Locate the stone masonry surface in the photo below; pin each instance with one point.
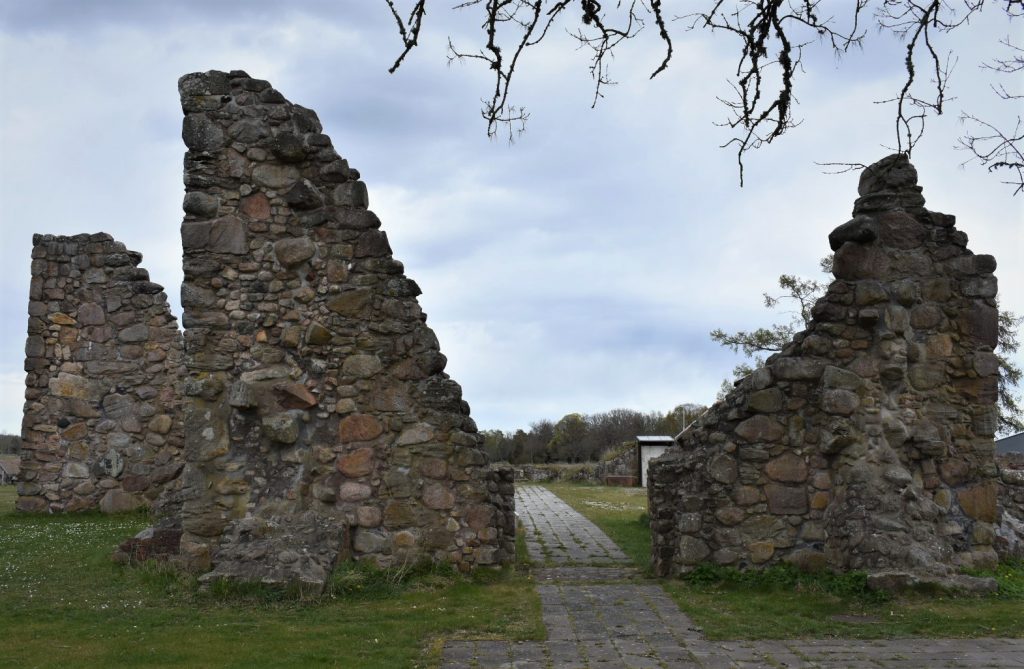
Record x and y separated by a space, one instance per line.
101 426
866 443
1010 532
606 618
319 422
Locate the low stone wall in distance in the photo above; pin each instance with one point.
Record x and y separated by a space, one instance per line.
618 469
580 472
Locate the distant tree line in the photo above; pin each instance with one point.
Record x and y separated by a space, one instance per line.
10 443
583 437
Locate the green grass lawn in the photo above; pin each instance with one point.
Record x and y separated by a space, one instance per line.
7 497
781 603
65 604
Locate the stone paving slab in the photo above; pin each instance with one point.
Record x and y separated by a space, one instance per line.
606 617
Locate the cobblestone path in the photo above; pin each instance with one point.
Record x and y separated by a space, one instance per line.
600 615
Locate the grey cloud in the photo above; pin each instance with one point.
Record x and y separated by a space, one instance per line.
60 15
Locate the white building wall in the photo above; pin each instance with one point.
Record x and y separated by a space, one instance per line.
646 453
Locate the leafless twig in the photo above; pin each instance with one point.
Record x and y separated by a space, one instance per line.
772 37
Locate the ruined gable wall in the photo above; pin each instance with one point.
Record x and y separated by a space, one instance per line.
101 426
867 442
319 421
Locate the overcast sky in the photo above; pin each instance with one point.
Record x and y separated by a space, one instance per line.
578 269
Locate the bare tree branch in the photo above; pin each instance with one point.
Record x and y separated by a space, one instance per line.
411 35
772 36
996 149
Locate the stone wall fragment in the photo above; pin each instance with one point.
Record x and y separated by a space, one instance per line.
866 443
319 422
101 426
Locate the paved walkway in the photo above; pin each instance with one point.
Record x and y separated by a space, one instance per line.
600 615
556 533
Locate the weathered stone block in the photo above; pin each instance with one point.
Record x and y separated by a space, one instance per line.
760 551
692 550
787 468
434 468
282 428
350 303
369 541
797 369
73 386
723 469
294 396
841 402
359 427
835 377
351 194
786 500
276 177
980 501
201 205
981 322
768 400
118 501
352 491
361 366
760 429
357 463
201 134
294 251
438 496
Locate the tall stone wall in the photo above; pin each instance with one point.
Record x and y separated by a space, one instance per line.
319 421
101 425
867 442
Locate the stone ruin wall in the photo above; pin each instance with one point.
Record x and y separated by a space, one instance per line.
319 422
1009 540
101 424
867 443
623 469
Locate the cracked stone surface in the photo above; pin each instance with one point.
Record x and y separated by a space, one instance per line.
600 615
